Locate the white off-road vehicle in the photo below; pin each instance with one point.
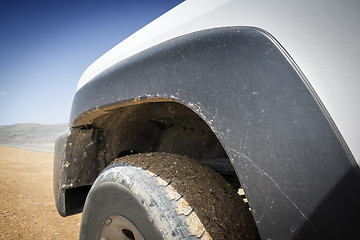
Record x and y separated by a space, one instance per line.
222 119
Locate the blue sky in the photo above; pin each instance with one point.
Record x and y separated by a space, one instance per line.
45 46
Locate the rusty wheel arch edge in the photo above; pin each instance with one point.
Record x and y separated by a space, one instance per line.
285 149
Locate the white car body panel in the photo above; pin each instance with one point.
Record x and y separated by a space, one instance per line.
321 36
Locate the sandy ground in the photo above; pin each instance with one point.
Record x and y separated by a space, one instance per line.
27 208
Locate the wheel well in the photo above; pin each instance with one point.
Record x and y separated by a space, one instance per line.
157 127
147 127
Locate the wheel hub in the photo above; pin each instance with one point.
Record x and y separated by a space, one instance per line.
119 228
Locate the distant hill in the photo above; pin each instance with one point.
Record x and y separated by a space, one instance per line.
30 133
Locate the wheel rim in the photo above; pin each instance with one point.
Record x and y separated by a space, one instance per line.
120 228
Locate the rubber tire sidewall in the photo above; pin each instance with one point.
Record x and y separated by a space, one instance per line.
112 199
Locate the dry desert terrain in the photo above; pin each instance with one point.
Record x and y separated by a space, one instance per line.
27 207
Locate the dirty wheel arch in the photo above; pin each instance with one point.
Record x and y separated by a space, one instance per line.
166 196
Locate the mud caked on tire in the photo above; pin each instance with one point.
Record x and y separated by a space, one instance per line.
164 196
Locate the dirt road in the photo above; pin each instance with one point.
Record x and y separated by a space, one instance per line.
27 209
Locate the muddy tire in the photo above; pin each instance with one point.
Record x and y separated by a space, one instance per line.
164 196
